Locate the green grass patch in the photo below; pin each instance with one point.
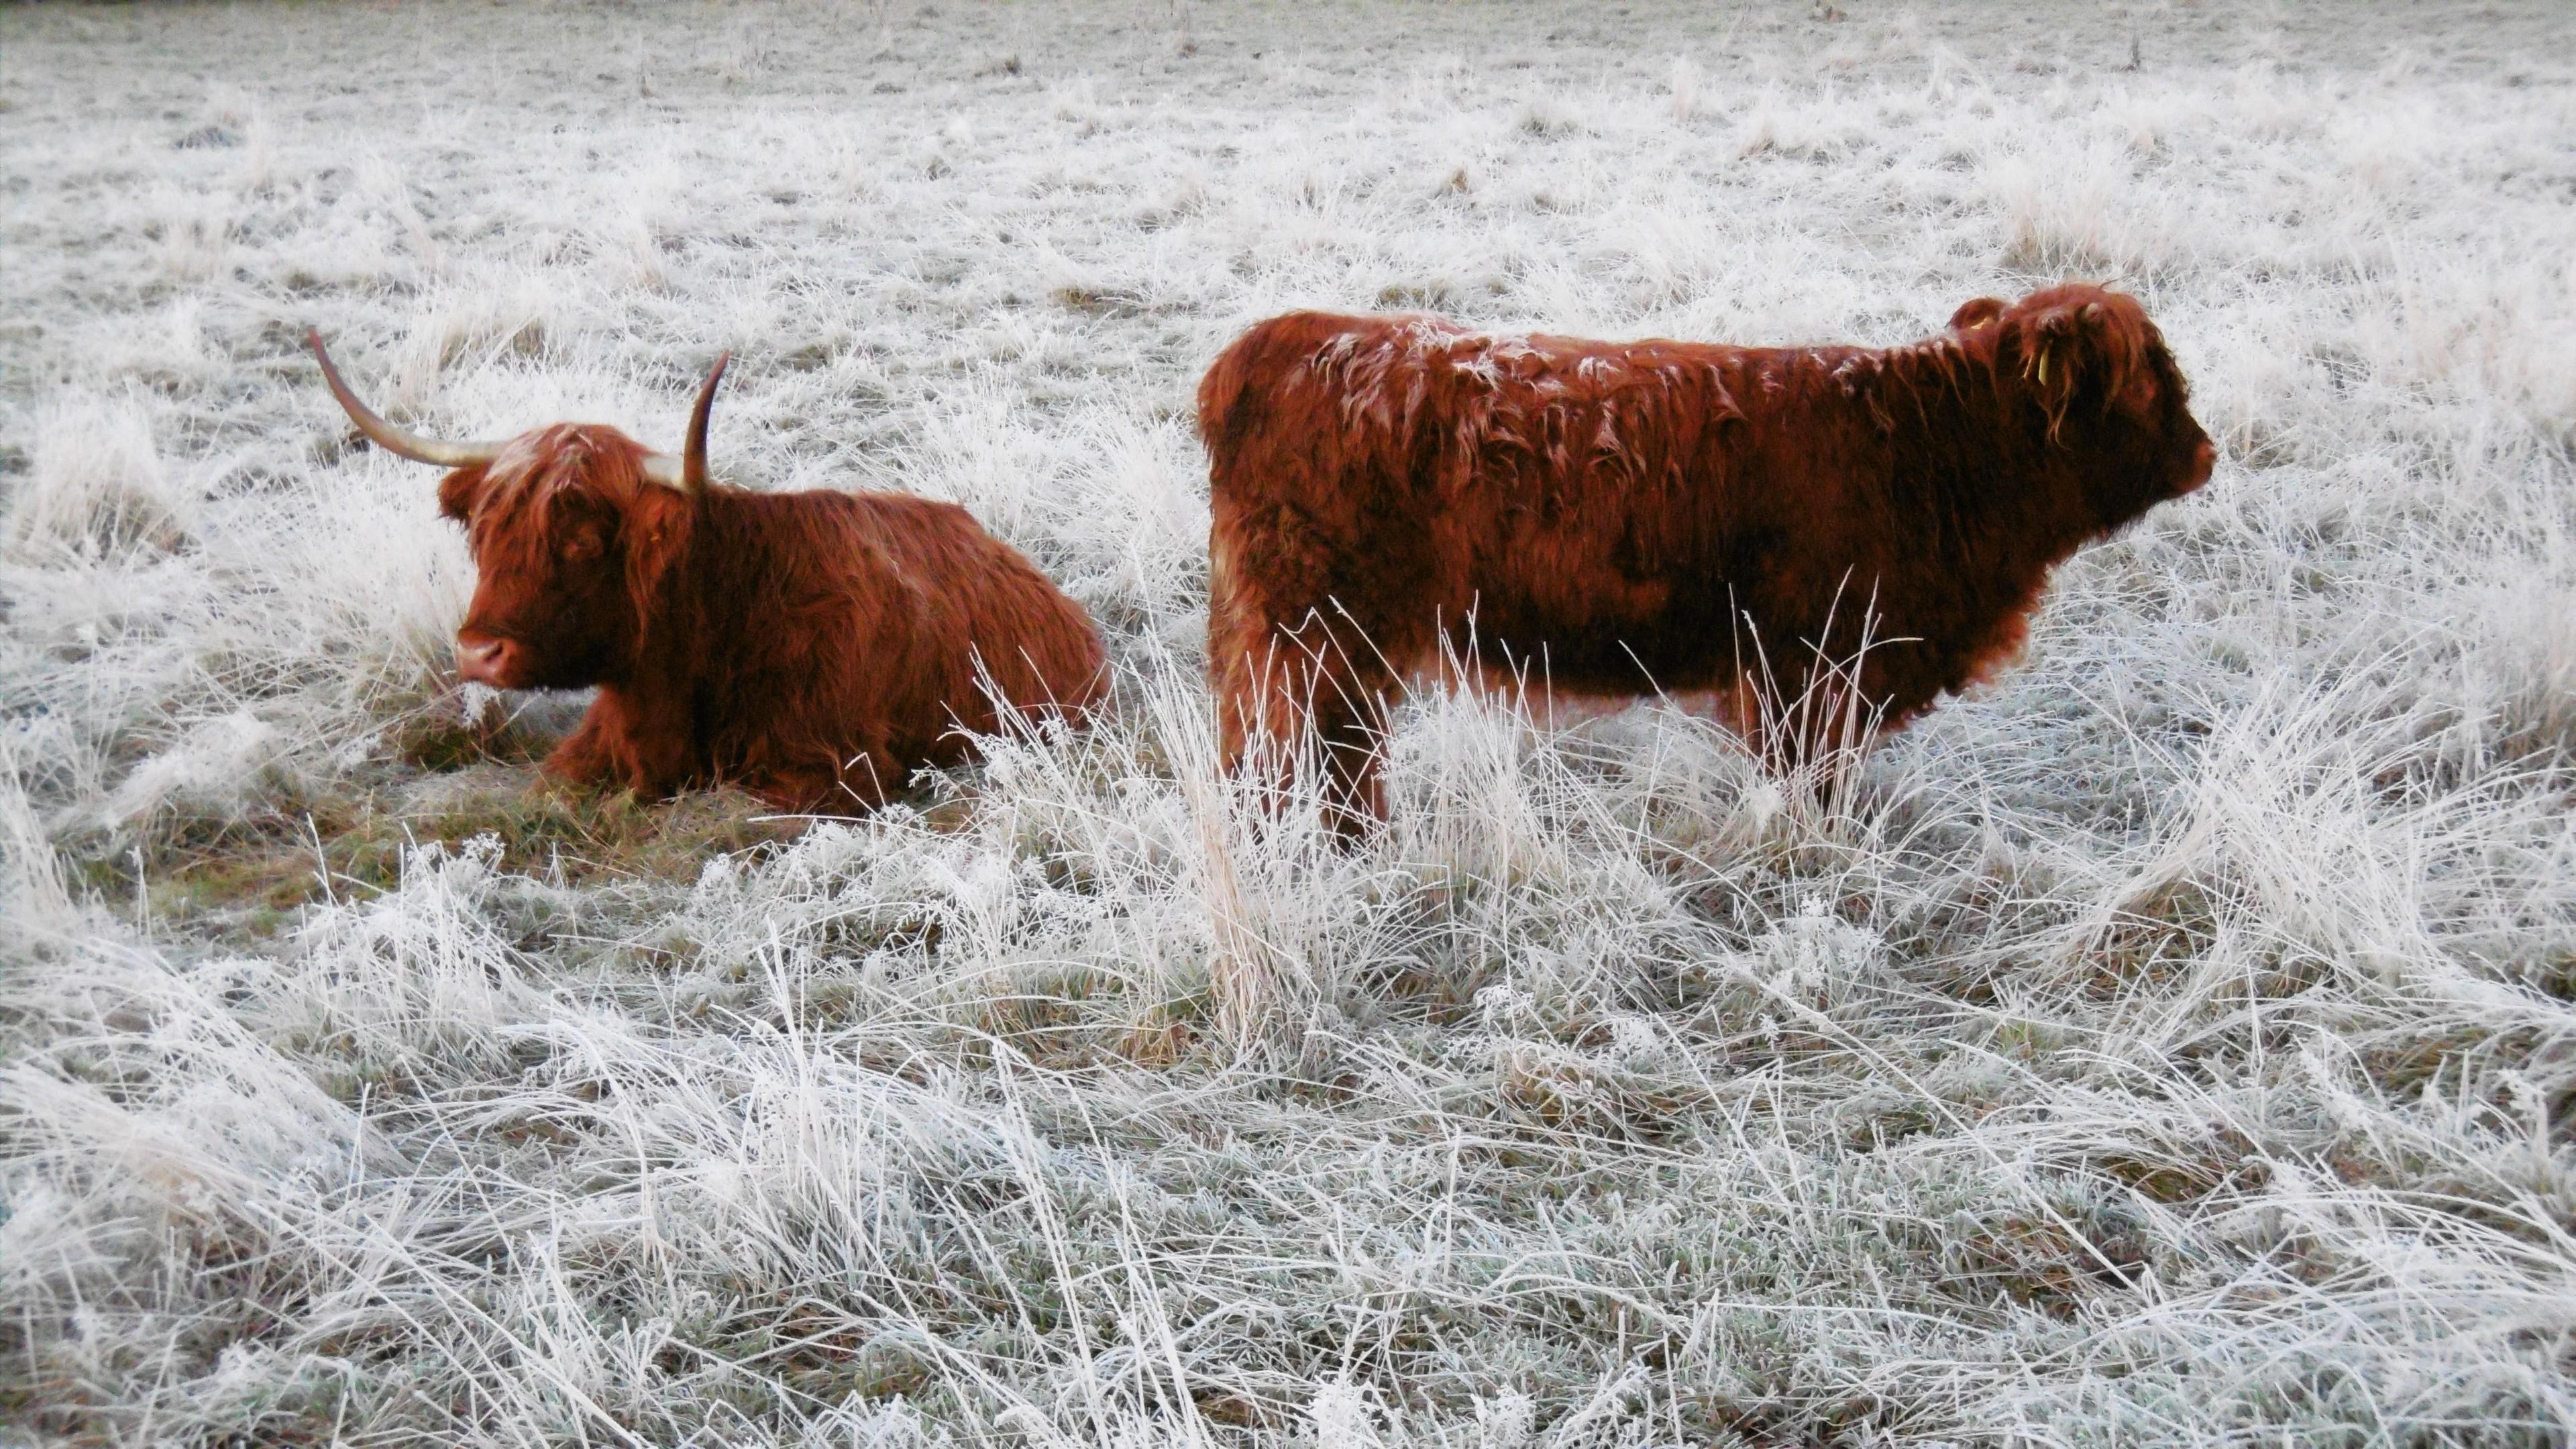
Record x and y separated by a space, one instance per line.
251 884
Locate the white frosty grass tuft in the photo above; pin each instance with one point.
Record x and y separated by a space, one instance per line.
2169 1044
96 485
214 772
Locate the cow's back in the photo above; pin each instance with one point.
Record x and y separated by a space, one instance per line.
858 619
979 599
1587 495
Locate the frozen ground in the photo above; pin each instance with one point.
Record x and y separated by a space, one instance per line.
2171 1045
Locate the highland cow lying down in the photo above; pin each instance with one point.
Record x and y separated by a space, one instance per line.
815 648
1615 518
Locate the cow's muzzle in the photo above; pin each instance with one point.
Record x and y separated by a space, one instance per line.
483 659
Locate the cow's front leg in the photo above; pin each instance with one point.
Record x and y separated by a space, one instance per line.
619 744
587 756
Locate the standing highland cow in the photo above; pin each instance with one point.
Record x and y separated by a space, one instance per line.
813 647
1620 517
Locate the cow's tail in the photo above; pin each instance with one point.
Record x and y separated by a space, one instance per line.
1225 391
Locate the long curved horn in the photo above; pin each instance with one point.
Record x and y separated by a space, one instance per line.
388 437
688 473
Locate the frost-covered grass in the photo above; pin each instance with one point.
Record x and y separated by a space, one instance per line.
2172 1044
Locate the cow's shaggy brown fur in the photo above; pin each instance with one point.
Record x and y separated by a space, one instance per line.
1619 517
813 647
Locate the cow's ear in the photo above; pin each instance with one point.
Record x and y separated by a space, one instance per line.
459 491
2041 346
653 515
2089 349
651 526
1976 314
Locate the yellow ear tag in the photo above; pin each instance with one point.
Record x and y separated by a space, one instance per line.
2043 365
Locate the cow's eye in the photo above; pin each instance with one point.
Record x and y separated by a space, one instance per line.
580 546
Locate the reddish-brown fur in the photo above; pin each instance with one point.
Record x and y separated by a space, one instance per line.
1614 518
813 647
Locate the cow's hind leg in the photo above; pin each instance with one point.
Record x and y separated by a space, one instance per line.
1291 701
1350 731
1260 684
809 772
1302 685
1265 690
864 781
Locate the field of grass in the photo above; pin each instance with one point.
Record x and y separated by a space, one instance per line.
2172 1043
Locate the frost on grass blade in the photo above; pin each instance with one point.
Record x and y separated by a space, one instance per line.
2163 1045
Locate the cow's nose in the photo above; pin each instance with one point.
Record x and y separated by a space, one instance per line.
2203 460
482 659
